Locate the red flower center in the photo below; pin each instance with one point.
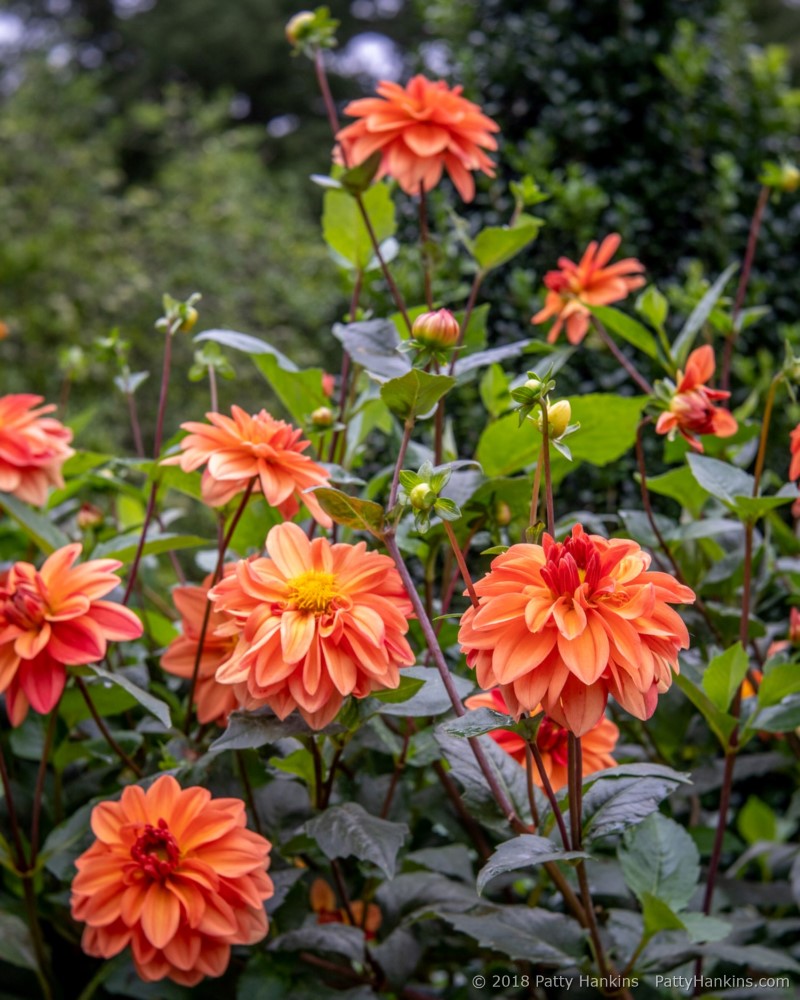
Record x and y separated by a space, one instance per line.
25 608
553 739
156 851
570 564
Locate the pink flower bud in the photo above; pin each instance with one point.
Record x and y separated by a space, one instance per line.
438 329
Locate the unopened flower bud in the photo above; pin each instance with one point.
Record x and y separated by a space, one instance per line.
421 496
298 25
794 626
533 383
189 320
89 516
438 329
4 330
322 417
558 417
502 513
328 384
790 178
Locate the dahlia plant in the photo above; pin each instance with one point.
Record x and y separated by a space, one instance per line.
445 674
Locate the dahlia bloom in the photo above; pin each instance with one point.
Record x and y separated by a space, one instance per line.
565 625
241 447
52 618
573 288
552 741
176 875
420 129
214 701
314 623
367 916
33 448
691 409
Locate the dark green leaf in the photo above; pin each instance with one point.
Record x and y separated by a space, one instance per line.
627 328
350 831
623 796
373 344
155 706
723 676
782 680
246 730
408 687
123 547
525 851
431 699
529 935
659 857
16 946
482 358
477 722
338 939
40 529
358 179
696 321
416 393
720 479
720 723
350 512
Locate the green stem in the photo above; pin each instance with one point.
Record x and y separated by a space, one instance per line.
548 484
126 760
39 788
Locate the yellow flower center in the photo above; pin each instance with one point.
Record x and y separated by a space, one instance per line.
313 591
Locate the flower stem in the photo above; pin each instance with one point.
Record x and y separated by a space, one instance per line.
398 770
548 484
537 481
547 786
212 388
462 565
626 363
223 548
39 788
408 427
12 812
126 760
744 280
248 790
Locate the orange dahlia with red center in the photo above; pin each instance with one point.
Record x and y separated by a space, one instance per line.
574 288
314 622
214 701
367 916
176 875
33 448
552 741
239 449
563 625
421 130
53 618
691 408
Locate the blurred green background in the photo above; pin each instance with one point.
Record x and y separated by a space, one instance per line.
165 145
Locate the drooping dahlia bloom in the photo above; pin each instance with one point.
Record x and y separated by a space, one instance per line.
214 701
421 129
33 448
177 876
367 916
53 618
240 448
314 623
691 409
573 288
565 625
552 741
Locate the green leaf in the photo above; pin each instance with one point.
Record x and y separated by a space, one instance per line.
448 510
496 245
350 512
415 393
250 730
523 933
343 225
408 687
373 344
623 796
358 179
627 328
477 722
524 851
723 676
123 547
658 916
780 718
757 822
720 723
724 481
349 830
335 938
679 484
470 362
153 705
782 680
40 529
16 946
653 306
701 928
431 699
660 857
701 312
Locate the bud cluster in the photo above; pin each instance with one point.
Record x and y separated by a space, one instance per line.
420 491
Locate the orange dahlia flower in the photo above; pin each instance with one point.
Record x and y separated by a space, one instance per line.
214 701
240 448
691 409
367 916
421 130
315 622
552 741
176 875
52 618
573 288
33 448
563 625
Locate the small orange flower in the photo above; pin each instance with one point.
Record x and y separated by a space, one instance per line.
367 916
176 875
33 448
315 622
575 287
794 448
421 130
214 701
563 625
52 618
691 409
552 741
241 447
